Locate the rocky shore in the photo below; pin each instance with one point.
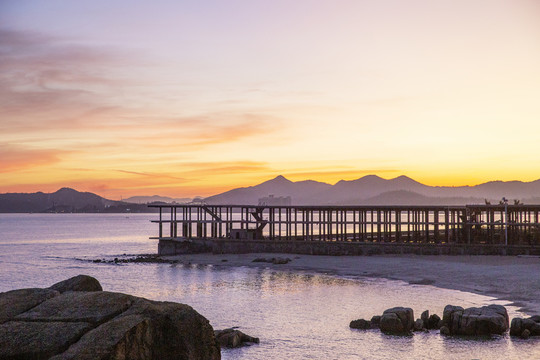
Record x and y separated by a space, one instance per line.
76 319
472 322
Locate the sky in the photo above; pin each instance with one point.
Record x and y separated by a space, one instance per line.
192 98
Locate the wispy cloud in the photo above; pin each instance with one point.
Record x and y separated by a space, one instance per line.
227 167
152 175
42 75
16 158
339 174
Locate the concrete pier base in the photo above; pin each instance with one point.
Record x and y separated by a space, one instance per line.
229 246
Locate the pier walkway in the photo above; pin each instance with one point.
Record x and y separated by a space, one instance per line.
471 229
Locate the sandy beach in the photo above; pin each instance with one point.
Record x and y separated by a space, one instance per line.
515 279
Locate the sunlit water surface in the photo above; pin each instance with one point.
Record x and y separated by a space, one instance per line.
296 315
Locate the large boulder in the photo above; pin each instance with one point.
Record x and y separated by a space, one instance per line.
397 320
78 283
101 325
519 325
15 302
486 320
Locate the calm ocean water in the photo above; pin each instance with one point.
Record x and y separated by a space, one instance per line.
296 315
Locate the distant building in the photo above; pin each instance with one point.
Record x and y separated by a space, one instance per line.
272 200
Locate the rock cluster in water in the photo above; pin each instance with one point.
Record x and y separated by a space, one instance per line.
474 321
233 338
137 259
525 327
75 319
274 260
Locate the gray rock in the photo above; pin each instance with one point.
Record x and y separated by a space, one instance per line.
486 320
360 324
15 302
233 338
525 334
78 283
105 325
434 322
149 330
445 330
391 324
418 325
91 307
375 321
397 320
425 318
518 325
38 340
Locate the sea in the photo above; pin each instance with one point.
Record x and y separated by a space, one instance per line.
296 315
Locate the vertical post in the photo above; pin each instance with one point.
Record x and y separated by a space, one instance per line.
160 222
505 221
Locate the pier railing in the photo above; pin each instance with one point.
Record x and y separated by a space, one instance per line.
471 224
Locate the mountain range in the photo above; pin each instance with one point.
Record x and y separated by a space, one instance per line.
156 198
368 190
374 190
63 201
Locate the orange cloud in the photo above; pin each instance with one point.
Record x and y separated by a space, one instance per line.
152 175
15 158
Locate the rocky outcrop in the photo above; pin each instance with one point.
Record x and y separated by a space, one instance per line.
375 321
15 302
425 319
434 322
78 283
232 338
525 327
418 325
74 319
486 320
397 320
360 324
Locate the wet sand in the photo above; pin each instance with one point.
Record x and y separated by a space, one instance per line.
511 278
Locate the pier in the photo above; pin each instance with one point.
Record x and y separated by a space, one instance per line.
350 230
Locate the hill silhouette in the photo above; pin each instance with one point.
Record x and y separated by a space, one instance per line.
367 190
374 190
65 200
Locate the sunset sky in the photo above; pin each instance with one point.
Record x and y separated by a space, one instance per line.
185 98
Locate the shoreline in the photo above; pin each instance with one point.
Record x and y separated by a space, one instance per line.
508 278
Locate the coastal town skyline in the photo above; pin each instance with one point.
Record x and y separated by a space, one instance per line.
193 99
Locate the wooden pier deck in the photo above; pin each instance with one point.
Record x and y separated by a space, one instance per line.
488 227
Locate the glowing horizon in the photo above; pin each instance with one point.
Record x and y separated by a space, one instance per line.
192 99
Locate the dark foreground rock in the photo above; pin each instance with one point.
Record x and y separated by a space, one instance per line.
482 321
525 327
232 338
397 321
63 322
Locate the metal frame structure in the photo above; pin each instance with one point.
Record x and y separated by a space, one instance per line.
471 224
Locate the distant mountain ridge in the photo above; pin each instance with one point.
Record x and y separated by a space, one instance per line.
65 200
367 190
156 198
374 190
